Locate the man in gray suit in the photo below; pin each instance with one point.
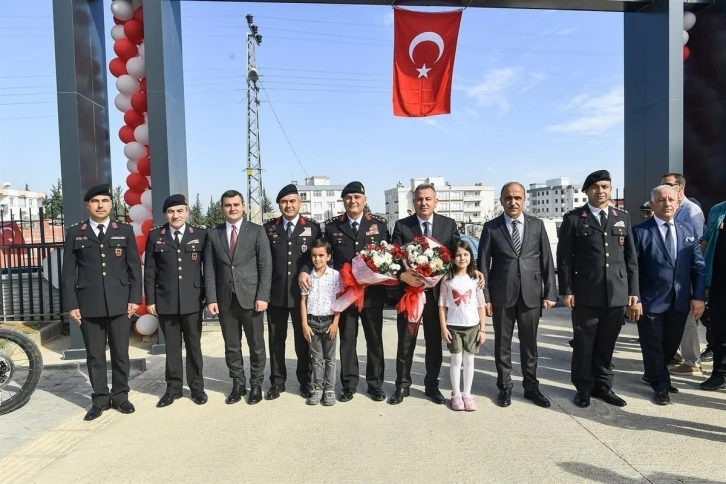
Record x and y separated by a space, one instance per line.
237 279
515 257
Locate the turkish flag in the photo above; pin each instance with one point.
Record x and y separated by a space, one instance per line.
424 48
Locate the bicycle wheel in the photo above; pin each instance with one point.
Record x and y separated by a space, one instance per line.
21 365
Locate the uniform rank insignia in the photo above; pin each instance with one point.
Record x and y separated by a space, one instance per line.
118 237
373 230
307 232
194 256
195 241
118 252
619 223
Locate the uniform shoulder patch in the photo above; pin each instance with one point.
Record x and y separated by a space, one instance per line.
379 218
312 221
271 220
332 219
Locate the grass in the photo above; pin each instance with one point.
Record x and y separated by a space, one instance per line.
24 327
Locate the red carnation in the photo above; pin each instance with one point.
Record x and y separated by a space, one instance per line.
425 270
371 265
424 243
445 257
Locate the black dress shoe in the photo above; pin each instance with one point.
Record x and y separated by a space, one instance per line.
306 390
662 398
714 382
168 399
94 412
582 399
609 396
274 392
376 394
504 399
255 395
200 398
672 389
435 395
537 397
399 395
707 354
238 391
346 394
124 407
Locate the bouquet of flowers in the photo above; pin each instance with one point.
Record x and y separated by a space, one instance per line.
429 259
374 265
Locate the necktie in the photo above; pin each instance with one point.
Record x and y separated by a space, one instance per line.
426 228
670 247
603 218
355 228
100 232
177 239
515 237
233 240
290 227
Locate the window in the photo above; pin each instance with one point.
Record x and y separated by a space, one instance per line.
444 206
303 195
317 193
21 202
12 201
305 207
557 209
455 195
455 205
317 206
457 216
443 196
318 217
329 193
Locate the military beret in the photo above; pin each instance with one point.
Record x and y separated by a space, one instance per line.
286 190
353 187
173 201
103 189
597 176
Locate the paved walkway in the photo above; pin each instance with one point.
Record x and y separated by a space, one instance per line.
365 441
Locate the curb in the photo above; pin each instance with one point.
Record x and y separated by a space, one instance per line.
135 364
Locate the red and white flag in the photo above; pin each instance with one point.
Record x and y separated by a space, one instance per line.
424 48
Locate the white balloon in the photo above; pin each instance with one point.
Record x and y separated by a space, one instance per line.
117 32
689 20
142 51
123 102
122 10
147 324
134 150
139 213
137 228
685 37
141 133
127 84
131 166
146 199
135 4
136 67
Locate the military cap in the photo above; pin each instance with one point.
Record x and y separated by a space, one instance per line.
286 190
103 189
597 176
646 206
173 201
353 187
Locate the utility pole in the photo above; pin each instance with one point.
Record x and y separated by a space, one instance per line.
254 162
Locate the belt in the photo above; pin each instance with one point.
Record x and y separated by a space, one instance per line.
320 319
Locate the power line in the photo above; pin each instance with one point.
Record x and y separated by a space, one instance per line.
272 108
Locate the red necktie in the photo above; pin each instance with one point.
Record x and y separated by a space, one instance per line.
233 240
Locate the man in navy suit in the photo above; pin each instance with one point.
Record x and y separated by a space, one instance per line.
672 281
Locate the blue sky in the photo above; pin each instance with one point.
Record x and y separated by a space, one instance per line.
537 95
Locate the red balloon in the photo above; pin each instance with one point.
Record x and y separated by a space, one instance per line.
147 225
686 53
141 243
118 21
137 182
144 166
126 133
117 67
142 310
138 101
143 84
134 31
139 14
131 197
125 49
133 118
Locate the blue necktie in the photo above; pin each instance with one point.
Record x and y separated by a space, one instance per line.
670 247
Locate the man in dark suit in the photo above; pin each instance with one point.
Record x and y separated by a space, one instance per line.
290 238
237 278
442 229
348 234
515 257
174 291
597 268
101 291
672 274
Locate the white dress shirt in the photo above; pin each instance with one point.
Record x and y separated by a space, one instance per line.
229 231
358 220
520 225
662 227
181 232
323 291
105 223
286 222
596 211
430 222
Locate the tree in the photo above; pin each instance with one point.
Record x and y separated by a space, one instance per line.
267 206
214 213
120 207
196 217
367 209
53 205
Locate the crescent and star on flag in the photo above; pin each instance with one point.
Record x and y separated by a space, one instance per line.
423 71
